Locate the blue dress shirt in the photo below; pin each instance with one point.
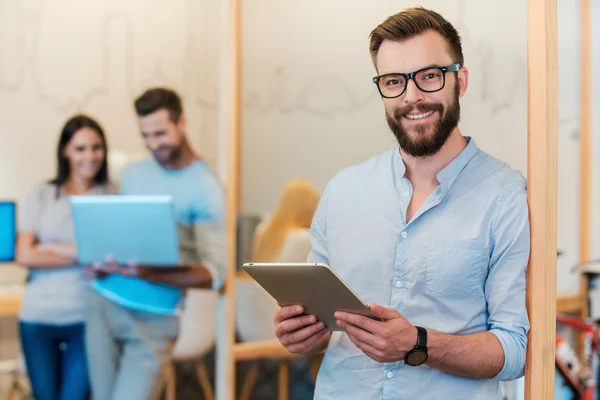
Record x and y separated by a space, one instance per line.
458 266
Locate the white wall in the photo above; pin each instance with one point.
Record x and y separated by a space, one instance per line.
569 65
65 56
311 109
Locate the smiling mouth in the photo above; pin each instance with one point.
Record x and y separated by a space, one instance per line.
418 116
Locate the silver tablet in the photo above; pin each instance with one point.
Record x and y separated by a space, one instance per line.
314 286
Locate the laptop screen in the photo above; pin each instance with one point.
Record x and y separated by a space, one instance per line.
8 231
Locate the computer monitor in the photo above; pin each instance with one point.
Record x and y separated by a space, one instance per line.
8 230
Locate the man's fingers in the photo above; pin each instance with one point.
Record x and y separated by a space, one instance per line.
354 340
287 312
301 334
366 348
292 324
363 322
362 335
89 273
308 342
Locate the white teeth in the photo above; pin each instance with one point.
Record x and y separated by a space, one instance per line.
419 116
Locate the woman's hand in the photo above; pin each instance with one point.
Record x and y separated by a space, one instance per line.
66 250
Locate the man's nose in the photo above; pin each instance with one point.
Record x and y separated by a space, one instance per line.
413 94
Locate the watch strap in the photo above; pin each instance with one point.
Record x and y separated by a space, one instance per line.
421 337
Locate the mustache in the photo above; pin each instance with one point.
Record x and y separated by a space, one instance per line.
421 109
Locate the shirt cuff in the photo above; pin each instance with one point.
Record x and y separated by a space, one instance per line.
514 356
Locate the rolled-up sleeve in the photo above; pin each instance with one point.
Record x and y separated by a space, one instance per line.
318 233
505 286
210 231
211 242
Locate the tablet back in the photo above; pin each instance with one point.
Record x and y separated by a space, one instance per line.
315 286
129 228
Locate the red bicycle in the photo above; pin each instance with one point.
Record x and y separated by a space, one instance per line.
582 383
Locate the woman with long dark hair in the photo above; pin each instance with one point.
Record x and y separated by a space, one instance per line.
51 320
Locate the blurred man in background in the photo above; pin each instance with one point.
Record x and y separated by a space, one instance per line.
133 312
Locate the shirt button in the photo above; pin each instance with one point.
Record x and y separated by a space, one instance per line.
390 374
406 193
404 234
398 284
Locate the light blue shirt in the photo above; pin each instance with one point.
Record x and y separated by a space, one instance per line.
200 212
458 266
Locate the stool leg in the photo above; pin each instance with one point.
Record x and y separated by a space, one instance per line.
171 384
314 365
250 381
204 381
284 377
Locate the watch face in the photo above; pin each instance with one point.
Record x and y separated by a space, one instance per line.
417 358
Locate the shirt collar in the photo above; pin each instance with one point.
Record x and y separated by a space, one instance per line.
448 175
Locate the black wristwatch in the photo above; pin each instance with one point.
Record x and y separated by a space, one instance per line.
418 355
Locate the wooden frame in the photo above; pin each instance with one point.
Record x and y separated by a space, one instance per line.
228 351
542 175
230 122
585 143
542 58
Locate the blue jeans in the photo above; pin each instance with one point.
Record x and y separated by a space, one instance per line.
56 361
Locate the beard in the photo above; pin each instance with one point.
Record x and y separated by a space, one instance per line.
167 154
422 145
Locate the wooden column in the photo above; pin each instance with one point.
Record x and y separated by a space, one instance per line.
586 130
542 66
585 142
230 126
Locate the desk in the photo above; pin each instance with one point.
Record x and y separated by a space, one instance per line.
12 288
10 303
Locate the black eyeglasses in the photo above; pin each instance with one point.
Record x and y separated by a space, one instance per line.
430 79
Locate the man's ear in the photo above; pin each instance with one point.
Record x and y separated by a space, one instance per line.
463 80
182 123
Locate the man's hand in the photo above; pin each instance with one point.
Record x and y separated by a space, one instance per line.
98 271
180 276
383 341
300 333
101 270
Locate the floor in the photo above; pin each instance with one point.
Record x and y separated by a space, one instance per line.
301 384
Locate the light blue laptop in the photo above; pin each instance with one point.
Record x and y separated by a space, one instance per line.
139 229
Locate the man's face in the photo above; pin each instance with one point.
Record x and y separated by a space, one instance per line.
162 136
422 122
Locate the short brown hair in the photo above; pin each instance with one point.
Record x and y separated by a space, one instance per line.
413 22
158 98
